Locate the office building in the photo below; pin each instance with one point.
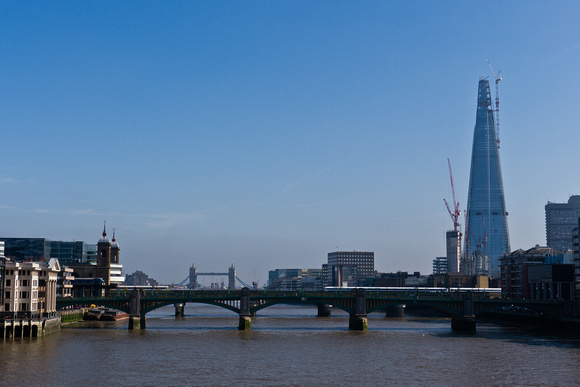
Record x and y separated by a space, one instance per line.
295 279
486 229
440 265
348 268
42 249
561 218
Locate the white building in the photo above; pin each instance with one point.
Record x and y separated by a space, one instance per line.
29 288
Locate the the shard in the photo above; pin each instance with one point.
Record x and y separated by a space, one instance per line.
486 235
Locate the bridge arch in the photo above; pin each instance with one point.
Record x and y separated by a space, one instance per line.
300 302
166 303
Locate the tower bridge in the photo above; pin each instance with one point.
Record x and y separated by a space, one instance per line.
462 308
192 279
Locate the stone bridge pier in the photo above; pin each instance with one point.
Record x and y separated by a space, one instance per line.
465 323
324 310
136 319
358 320
245 323
179 310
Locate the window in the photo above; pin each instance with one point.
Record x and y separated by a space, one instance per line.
8 282
7 295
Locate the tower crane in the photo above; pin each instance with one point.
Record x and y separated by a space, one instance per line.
455 212
497 79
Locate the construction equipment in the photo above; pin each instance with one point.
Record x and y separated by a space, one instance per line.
455 212
497 79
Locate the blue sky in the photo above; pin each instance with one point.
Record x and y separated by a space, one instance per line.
267 134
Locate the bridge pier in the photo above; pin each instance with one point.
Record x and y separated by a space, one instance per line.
358 320
467 322
179 310
245 323
137 322
134 322
324 310
395 311
463 324
136 319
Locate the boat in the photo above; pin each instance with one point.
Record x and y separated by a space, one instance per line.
93 314
113 315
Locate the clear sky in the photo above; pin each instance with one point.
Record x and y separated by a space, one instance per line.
269 133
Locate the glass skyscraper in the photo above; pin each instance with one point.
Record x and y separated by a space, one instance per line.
486 230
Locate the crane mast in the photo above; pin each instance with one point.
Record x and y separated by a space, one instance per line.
497 79
455 213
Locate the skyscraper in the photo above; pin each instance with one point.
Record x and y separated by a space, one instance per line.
486 230
561 218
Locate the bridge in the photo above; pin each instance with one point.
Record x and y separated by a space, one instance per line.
358 303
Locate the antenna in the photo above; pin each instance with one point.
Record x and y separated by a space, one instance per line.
497 79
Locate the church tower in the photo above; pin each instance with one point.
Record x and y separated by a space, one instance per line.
114 249
104 258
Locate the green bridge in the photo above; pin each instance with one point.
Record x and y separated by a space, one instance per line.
462 307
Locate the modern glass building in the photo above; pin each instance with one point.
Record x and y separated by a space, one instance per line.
561 218
486 229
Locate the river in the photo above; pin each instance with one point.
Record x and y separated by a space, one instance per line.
288 345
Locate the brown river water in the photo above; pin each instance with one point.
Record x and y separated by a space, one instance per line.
289 345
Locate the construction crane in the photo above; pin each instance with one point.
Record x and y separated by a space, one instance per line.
455 212
497 79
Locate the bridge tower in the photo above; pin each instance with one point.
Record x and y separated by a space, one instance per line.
192 277
232 277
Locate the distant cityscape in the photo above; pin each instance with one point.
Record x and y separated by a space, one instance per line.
34 271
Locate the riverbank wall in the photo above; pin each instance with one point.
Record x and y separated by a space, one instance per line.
24 327
71 316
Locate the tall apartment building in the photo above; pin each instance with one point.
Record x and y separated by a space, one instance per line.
486 229
348 268
561 218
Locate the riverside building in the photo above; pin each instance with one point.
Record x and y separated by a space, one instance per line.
561 218
28 298
348 268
